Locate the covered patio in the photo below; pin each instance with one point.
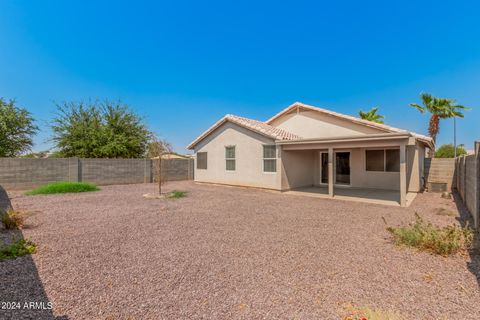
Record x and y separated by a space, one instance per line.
369 195
375 168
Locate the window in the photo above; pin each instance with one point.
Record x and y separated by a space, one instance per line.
392 160
383 160
201 160
230 158
269 159
375 160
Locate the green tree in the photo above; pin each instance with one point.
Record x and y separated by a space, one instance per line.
371 115
16 129
99 130
447 151
439 108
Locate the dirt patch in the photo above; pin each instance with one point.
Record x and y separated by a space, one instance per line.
233 253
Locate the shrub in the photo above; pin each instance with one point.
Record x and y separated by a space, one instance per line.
12 219
64 187
16 249
368 313
176 194
424 236
448 151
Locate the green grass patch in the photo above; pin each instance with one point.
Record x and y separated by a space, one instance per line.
16 249
64 187
424 236
175 194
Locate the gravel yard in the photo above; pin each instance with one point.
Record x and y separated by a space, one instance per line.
225 252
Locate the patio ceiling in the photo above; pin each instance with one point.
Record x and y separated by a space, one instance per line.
371 140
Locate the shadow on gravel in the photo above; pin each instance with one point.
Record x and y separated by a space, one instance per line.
467 219
22 295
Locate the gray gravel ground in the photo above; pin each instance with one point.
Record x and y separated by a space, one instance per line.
230 253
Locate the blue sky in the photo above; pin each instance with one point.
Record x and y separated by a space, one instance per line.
184 64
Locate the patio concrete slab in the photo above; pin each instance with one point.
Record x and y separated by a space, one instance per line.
378 196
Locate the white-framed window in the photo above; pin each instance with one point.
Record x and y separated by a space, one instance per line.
382 160
230 163
202 160
269 158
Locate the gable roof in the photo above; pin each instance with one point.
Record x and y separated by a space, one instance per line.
379 126
266 129
253 125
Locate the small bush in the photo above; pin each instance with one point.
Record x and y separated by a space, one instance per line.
424 236
176 194
16 249
448 151
12 219
367 313
64 187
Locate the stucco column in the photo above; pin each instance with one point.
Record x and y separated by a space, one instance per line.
330 172
403 176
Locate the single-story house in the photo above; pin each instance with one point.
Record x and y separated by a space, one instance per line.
173 155
306 146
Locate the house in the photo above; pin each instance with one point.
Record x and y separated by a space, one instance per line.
305 146
174 155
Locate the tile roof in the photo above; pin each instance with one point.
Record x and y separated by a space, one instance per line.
266 129
262 127
371 124
254 125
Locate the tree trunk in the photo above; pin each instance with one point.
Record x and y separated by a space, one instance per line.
159 175
434 127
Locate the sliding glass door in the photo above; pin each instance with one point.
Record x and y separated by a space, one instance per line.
342 168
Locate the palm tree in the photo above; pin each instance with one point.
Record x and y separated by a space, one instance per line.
371 115
439 108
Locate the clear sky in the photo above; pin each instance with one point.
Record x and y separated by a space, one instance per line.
184 64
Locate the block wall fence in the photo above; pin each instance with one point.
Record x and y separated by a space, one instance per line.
23 174
438 170
468 182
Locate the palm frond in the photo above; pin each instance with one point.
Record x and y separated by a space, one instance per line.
418 107
371 115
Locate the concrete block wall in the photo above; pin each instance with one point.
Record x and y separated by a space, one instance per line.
460 173
23 174
470 192
440 170
115 171
177 169
29 173
468 182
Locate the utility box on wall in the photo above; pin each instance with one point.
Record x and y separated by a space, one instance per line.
437 187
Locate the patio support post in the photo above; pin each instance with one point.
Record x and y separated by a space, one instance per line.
403 176
330 172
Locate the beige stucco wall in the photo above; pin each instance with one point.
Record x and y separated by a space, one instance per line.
298 169
362 178
249 158
299 165
415 170
310 124
359 176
